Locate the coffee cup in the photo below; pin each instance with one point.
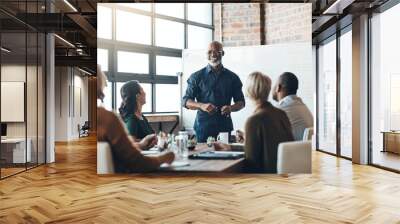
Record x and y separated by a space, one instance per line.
223 137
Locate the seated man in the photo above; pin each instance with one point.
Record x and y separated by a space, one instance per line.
284 93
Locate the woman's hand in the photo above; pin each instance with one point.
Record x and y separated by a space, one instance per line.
148 142
167 157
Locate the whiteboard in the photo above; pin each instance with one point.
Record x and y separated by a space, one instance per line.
12 101
271 60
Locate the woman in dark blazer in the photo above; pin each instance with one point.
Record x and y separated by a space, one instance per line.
133 99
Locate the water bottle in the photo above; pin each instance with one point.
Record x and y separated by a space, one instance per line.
182 145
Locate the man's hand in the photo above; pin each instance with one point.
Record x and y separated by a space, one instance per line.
208 107
148 142
226 110
218 146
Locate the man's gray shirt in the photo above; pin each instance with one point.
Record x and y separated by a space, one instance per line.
299 115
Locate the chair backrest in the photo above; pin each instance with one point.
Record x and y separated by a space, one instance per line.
105 163
308 133
294 157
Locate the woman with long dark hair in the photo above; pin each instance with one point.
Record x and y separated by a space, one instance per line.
133 98
127 154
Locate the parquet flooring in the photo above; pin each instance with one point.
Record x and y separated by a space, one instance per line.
69 191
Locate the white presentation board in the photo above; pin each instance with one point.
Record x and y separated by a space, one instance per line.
272 60
12 101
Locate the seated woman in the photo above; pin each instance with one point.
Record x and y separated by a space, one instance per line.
126 153
264 129
133 98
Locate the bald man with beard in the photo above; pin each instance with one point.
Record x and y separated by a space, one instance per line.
210 91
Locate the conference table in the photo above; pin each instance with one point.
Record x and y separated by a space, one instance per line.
207 165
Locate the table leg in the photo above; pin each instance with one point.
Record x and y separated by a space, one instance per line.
173 128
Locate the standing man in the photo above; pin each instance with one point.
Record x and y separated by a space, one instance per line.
299 115
210 91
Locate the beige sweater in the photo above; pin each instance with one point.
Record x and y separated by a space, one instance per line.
265 129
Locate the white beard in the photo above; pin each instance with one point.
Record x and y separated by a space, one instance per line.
214 64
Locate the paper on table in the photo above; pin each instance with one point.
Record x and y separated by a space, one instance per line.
149 152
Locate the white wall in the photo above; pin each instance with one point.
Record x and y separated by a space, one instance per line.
71 94
272 60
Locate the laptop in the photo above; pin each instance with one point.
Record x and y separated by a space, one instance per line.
217 155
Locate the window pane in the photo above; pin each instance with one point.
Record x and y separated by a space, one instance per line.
107 102
169 34
104 22
168 65
133 28
346 94
133 62
327 97
146 88
164 94
200 12
141 6
170 9
385 87
199 37
102 59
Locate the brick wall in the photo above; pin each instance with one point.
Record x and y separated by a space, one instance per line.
285 22
240 23
243 23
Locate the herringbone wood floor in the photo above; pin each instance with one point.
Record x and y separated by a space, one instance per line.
69 191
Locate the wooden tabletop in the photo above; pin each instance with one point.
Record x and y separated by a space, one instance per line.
208 165
154 118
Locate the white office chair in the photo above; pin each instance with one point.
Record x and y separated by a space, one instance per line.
308 133
294 157
105 163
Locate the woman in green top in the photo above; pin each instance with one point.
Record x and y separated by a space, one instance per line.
133 99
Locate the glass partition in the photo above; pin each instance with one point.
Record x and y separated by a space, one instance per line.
22 117
15 149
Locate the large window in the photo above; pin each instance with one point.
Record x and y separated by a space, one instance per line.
385 88
327 96
147 46
335 94
346 94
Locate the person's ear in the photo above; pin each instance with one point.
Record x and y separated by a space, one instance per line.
279 88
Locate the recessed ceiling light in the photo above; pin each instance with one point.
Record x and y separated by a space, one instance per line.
70 5
5 50
86 72
64 40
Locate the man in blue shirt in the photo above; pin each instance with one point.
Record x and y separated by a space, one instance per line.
210 91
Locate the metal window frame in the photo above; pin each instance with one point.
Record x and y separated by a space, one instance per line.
113 46
336 36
